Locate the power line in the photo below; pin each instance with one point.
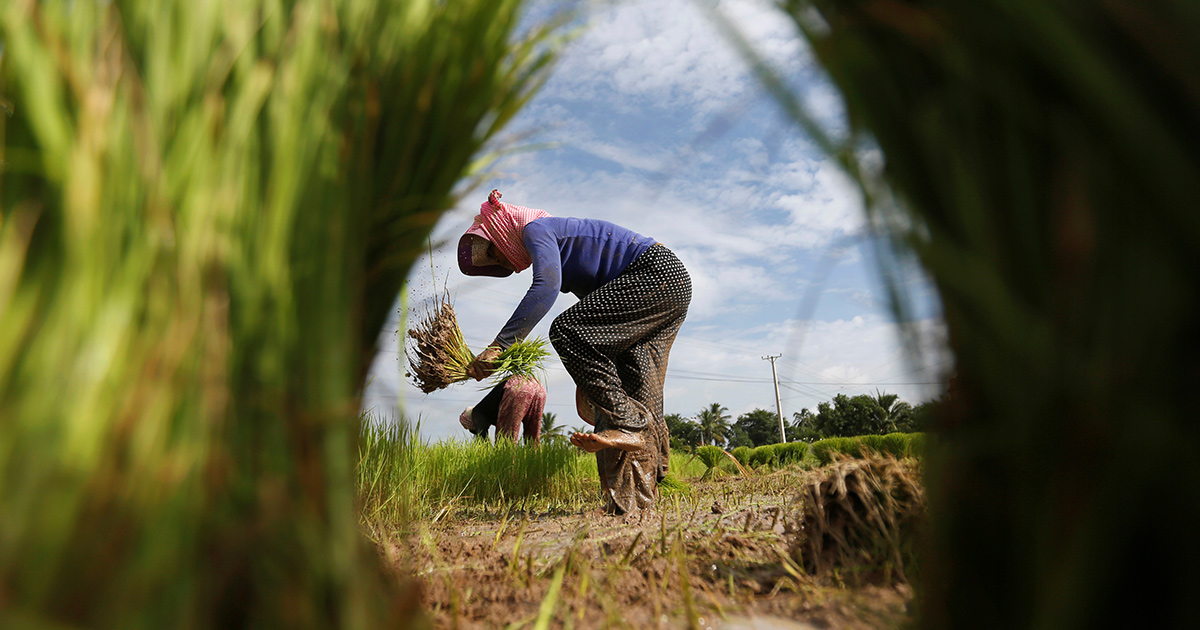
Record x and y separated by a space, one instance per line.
808 390
811 393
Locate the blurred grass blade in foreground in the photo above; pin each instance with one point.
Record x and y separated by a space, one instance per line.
206 211
1042 159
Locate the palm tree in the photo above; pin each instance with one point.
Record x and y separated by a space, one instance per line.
551 430
714 423
683 431
892 411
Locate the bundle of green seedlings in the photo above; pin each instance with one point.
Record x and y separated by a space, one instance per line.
712 456
439 356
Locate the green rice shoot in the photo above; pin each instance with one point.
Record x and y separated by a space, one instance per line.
207 210
524 358
401 476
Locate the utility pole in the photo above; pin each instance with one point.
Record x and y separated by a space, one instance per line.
778 405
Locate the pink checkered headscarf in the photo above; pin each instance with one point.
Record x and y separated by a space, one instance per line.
503 224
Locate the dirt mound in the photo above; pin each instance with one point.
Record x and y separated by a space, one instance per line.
679 566
862 515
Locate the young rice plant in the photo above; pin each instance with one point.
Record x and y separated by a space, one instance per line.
207 210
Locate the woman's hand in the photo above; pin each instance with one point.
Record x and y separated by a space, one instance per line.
485 364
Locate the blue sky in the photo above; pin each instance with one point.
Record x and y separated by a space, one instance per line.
656 124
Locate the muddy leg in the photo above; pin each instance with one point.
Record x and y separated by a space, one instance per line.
628 476
632 479
612 438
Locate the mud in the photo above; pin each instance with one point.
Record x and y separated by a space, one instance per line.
716 557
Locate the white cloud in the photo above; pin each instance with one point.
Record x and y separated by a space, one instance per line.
831 206
738 235
667 53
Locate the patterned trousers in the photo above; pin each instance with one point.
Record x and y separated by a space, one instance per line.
615 344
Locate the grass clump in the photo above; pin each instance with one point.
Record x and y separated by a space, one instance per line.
710 456
766 455
402 478
1040 158
862 515
742 454
791 452
207 211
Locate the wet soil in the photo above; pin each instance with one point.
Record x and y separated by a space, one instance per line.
714 557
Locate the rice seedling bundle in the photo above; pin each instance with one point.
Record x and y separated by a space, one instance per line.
685 464
767 454
710 456
525 358
742 453
438 356
899 445
672 485
791 452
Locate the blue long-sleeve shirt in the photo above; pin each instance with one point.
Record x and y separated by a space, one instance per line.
572 256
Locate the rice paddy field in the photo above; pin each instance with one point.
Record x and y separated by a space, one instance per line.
511 536
207 210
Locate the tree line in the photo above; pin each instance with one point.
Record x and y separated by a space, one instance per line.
844 416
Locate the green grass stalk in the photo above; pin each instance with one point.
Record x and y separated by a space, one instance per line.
401 476
1039 159
525 358
207 210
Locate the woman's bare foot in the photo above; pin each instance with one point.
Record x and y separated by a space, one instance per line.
612 438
